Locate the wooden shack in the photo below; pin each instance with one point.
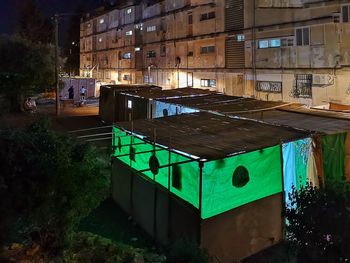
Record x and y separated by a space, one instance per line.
111 104
212 179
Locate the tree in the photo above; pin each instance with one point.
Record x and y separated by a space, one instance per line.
32 24
319 223
25 68
48 183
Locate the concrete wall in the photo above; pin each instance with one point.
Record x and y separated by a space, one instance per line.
244 231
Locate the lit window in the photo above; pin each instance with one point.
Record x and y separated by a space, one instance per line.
240 38
151 54
127 77
270 43
263 44
151 28
127 55
128 33
129 104
207 16
129 11
211 83
207 49
275 42
302 36
137 49
102 20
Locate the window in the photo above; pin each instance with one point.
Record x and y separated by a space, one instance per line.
151 28
128 33
176 177
127 77
303 86
207 49
163 50
211 83
240 38
302 36
129 11
137 49
287 42
129 104
240 177
269 43
190 19
127 55
151 54
207 16
269 86
345 12
190 54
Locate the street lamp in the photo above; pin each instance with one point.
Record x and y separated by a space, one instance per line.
56 19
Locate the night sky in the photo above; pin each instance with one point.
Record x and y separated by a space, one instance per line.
8 10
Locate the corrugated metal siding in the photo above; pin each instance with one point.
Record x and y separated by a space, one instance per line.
234 53
234 15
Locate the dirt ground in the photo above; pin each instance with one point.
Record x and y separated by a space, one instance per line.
71 118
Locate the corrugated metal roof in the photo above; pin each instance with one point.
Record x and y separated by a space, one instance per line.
210 136
171 93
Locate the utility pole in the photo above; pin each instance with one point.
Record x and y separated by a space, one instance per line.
57 79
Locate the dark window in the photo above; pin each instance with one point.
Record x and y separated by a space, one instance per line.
163 50
208 49
154 164
303 36
303 86
190 19
345 13
190 54
176 177
240 177
127 77
151 54
207 16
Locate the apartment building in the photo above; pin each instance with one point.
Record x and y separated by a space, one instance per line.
182 43
289 50
297 50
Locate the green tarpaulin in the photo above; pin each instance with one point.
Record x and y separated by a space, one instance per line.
265 179
226 184
333 150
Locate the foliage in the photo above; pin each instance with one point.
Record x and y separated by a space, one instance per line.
319 223
32 24
48 183
185 251
89 248
25 68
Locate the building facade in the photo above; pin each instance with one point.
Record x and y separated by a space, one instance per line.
290 50
168 43
298 51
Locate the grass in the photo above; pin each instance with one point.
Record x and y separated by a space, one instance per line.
111 222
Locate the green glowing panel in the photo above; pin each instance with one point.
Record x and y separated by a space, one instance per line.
220 194
188 173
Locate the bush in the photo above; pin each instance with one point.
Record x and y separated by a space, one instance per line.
319 223
48 183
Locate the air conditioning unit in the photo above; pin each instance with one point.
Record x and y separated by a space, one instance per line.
322 79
